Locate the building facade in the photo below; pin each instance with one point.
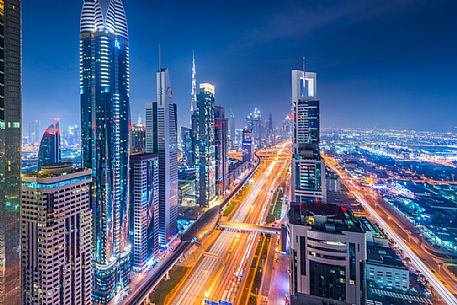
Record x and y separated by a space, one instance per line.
49 152
144 208
137 139
221 150
56 222
10 149
247 145
162 140
308 168
105 119
205 148
327 256
187 146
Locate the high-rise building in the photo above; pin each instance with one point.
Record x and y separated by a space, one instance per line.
327 255
137 139
232 128
247 145
144 208
10 149
308 168
105 119
255 124
193 105
270 130
221 150
187 146
49 152
204 137
56 222
34 132
162 140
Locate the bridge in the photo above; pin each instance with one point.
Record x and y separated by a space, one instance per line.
243 227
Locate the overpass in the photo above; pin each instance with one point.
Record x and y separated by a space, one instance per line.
243 227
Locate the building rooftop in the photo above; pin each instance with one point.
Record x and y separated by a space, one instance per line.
324 217
384 256
52 175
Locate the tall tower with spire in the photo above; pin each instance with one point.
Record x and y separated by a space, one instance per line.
193 106
105 121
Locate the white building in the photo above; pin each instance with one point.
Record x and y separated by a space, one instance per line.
308 168
162 139
56 223
328 254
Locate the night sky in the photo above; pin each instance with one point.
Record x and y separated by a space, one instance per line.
380 64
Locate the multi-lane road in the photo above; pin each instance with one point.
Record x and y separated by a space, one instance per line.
403 234
220 273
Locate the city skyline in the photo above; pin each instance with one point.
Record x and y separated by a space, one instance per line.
233 191
248 55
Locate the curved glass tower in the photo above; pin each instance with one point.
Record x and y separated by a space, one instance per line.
49 152
105 119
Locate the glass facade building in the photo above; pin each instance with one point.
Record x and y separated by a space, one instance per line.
49 152
205 148
144 208
10 150
308 168
105 119
162 140
221 150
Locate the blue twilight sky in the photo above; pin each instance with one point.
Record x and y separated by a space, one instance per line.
380 64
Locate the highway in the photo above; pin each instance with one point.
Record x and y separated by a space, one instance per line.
219 273
420 259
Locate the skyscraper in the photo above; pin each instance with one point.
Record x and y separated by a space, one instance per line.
56 222
255 124
221 150
49 152
204 137
105 118
137 139
232 128
10 150
308 168
187 146
162 139
247 145
144 208
193 105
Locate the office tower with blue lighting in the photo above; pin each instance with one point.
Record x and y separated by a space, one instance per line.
205 148
162 140
187 146
10 150
232 130
137 138
308 168
221 150
144 208
56 222
247 145
105 119
49 152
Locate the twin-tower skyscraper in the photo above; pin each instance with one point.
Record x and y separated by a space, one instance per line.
105 121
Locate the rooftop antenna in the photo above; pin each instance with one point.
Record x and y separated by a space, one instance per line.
160 58
304 61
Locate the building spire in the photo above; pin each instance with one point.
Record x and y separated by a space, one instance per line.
193 105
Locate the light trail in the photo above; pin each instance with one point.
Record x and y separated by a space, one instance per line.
439 287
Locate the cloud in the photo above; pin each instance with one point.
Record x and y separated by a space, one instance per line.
298 19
